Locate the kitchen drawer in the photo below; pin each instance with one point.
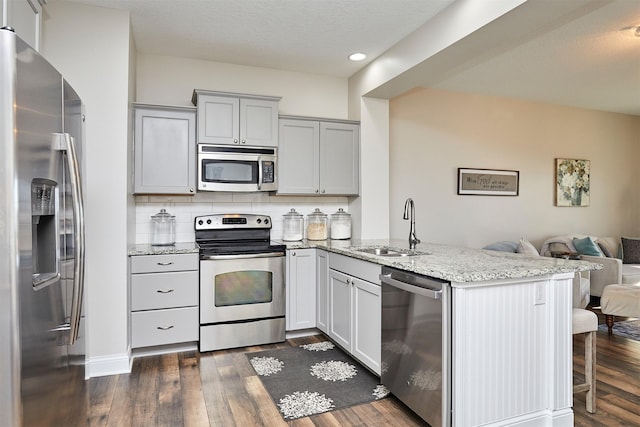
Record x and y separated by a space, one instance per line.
355 267
164 290
162 263
161 327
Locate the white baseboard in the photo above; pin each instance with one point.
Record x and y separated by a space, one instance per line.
109 365
559 418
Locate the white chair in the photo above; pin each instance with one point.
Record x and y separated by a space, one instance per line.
585 322
620 300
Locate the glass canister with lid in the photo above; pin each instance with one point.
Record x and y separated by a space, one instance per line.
163 229
340 225
317 224
292 226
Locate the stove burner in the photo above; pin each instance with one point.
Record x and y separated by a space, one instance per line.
235 234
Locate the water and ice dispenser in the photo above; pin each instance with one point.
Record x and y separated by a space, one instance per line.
45 238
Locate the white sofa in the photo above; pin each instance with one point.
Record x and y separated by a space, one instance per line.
581 281
614 271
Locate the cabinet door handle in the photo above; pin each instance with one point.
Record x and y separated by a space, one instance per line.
164 291
323 191
165 263
293 254
244 141
317 191
235 141
191 190
164 328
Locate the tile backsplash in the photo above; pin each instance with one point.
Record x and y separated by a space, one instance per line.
186 208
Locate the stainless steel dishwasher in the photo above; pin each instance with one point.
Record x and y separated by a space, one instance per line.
416 343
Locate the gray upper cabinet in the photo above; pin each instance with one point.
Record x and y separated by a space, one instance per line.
318 157
25 17
226 118
299 149
165 150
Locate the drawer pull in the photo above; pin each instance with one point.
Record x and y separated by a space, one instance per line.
164 291
165 328
165 263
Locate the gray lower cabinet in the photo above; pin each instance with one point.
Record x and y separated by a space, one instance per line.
301 289
164 299
164 150
322 290
354 315
318 157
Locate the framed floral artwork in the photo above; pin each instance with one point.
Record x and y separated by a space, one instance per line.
572 182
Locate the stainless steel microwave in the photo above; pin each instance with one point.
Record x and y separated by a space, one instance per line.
227 168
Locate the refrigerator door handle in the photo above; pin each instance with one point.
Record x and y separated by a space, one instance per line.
66 143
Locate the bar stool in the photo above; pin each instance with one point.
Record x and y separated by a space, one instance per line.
586 322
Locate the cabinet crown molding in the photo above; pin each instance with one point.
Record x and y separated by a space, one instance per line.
196 92
318 119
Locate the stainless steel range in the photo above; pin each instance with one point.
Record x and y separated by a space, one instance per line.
242 285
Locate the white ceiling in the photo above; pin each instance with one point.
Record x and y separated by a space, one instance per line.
581 58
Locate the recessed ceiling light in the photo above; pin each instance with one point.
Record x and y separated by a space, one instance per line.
357 56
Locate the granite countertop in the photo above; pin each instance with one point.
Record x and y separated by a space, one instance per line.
178 248
453 263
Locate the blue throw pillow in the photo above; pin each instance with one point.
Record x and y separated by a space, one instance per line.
587 246
503 246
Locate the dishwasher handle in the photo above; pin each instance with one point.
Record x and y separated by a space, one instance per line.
429 293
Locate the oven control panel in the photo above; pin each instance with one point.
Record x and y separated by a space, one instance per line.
230 221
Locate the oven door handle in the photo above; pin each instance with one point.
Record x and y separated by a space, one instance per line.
243 256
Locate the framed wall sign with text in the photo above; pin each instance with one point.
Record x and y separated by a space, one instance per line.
488 182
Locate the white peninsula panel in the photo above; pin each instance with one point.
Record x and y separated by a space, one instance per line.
512 355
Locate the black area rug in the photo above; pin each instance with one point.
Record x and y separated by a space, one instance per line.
628 329
314 378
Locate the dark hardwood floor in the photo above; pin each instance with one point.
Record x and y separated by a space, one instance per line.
221 389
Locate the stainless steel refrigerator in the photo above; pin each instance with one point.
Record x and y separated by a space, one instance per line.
42 354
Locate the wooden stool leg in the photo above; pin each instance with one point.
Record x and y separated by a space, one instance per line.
590 370
609 321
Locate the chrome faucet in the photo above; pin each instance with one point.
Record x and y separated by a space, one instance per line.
410 213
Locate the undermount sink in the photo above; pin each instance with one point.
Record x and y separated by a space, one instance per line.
389 252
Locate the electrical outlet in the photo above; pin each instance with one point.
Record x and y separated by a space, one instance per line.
540 294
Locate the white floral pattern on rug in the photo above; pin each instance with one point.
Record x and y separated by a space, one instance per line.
319 346
425 380
302 404
334 370
266 366
380 391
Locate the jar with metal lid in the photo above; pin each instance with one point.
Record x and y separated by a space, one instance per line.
292 226
340 225
317 224
163 229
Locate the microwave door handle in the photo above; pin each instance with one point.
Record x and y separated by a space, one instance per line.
259 173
